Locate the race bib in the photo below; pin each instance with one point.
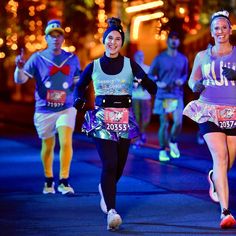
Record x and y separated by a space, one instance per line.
56 98
116 119
226 117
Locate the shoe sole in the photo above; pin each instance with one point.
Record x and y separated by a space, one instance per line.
212 192
228 222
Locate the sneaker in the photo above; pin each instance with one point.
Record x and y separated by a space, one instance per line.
113 220
212 189
227 220
65 188
174 151
102 202
49 189
49 186
163 156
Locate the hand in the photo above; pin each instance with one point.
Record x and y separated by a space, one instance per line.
136 82
20 59
79 104
161 84
230 74
198 87
179 82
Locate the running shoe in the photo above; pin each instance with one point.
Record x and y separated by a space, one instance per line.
49 186
64 188
113 220
227 220
163 156
102 202
174 150
212 190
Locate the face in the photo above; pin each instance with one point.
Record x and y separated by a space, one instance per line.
55 40
173 42
220 30
113 44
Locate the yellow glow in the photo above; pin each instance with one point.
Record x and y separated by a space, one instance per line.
14 46
1 41
2 55
72 48
68 29
233 27
139 19
182 10
144 6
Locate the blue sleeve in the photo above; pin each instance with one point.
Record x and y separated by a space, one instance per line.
30 66
78 68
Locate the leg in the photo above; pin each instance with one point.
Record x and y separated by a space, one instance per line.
177 125
231 141
163 130
66 151
145 117
47 155
123 150
108 154
217 144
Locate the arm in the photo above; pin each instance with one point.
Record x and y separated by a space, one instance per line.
143 79
81 86
195 80
19 76
184 75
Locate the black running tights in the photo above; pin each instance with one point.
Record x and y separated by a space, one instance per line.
113 156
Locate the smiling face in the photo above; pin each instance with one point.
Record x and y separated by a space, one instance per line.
221 30
55 40
113 44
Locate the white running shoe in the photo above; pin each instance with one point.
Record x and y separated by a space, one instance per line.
102 202
113 220
174 151
65 190
212 190
163 156
49 189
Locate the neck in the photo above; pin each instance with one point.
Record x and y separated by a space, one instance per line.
172 52
222 49
55 51
111 55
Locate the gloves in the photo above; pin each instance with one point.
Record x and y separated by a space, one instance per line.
198 87
230 74
79 104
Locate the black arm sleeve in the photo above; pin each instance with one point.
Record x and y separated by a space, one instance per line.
81 86
146 83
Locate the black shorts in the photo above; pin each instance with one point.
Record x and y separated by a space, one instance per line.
210 127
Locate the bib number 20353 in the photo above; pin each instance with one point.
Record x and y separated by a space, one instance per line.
116 119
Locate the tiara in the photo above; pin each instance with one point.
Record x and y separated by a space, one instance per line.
221 13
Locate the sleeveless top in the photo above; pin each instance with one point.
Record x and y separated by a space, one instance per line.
119 84
218 92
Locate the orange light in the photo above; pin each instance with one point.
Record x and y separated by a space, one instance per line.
144 6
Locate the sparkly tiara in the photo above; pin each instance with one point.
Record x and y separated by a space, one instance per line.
224 14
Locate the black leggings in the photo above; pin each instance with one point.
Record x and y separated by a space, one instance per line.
113 156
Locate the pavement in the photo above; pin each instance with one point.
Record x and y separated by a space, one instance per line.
153 198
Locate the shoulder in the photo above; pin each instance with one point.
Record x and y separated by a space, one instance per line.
200 55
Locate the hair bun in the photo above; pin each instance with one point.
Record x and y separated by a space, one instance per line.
113 21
